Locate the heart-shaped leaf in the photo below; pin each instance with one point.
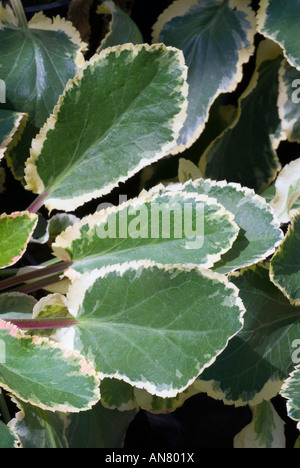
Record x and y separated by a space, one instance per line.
135 323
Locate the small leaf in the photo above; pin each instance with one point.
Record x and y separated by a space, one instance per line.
287 188
217 38
168 228
288 102
38 428
11 126
187 170
122 112
285 265
266 429
59 223
276 20
16 306
122 28
291 391
135 323
38 371
15 232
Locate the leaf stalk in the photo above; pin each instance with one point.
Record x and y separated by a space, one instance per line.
20 14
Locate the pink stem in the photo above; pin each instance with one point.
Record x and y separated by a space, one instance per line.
44 324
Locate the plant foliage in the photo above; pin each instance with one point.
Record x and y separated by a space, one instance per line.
192 284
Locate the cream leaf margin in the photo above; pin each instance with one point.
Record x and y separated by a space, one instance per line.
14 136
85 368
261 21
72 233
179 8
80 286
32 178
267 50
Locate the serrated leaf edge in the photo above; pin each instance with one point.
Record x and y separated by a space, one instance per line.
286 125
13 137
285 393
258 200
64 240
280 201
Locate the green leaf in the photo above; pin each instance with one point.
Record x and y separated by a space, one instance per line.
266 429
159 405
287 187
187 170
168 228
34 72
217 38
135 323
8 439
285 265
98 428
276 20
291 391
122 28
38 428
15 232
53 306
244 152
16 305
38 371
269 193
260 356
252 215
166 169
11 126
59 223
48 230
288 102
117 394
122 112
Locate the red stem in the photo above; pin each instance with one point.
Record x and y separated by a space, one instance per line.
44 323
56 269
37 203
